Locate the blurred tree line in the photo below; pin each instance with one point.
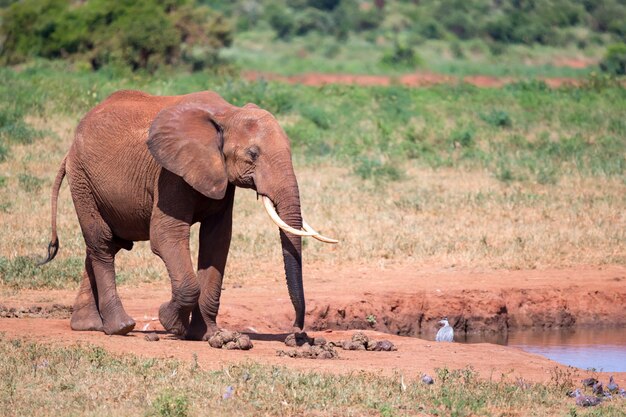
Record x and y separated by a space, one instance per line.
548 22
137 33
145 34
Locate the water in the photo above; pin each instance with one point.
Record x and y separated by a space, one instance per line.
585 348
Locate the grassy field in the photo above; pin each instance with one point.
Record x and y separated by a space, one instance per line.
87 380
261 51
520 177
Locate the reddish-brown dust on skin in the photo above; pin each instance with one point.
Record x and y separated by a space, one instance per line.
402 299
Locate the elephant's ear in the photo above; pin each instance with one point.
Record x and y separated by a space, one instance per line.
251 106
186 140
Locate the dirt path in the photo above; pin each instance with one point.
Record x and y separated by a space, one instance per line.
417 79
403 299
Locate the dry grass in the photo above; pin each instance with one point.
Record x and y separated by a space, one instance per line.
463 218
87 380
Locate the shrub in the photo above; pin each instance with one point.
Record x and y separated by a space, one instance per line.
463 138
169 404
318 116
614 61
401 55
13 129
203 32
498 118
281 19
141 34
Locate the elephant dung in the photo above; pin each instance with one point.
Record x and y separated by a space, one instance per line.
308 347
225 339
325 351
360 341
300 339
151 337
351 345
383 346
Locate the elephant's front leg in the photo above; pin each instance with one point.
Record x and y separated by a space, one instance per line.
215 235
169 239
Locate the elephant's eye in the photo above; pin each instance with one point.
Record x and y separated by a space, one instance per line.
253 153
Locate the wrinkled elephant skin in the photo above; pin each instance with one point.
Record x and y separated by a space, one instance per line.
145 167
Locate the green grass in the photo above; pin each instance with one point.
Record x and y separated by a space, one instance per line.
22 272
86 380
259 51
415 157
525 129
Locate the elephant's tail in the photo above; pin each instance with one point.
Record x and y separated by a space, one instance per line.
53 246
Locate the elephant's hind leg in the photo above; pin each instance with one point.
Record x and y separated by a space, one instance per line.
101 250
114 317
85 314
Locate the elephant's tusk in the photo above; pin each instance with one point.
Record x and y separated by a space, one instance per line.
317 236
269 207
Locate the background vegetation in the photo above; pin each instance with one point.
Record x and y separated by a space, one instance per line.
520 177
523 176
329 35
142 34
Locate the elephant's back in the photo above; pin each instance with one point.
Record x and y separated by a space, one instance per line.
110 157
112 136
125 115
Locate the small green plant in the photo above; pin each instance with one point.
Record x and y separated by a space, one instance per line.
4 152
601 81
98 356
496 48
386 410
463 138
170 404
376 169
457 50
614 61
504 172
371 319
497 118
547 174
30 183
402 55
317 115
13 129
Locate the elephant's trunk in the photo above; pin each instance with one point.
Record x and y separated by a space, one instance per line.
287 200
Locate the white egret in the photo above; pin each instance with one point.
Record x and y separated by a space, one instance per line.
446 333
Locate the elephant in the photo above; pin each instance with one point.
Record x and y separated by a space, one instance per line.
145 167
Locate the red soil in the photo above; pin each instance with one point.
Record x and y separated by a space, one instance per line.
404 299
417 79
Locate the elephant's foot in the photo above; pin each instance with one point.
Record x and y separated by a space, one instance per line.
118 323
86 318
174 319
199 330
